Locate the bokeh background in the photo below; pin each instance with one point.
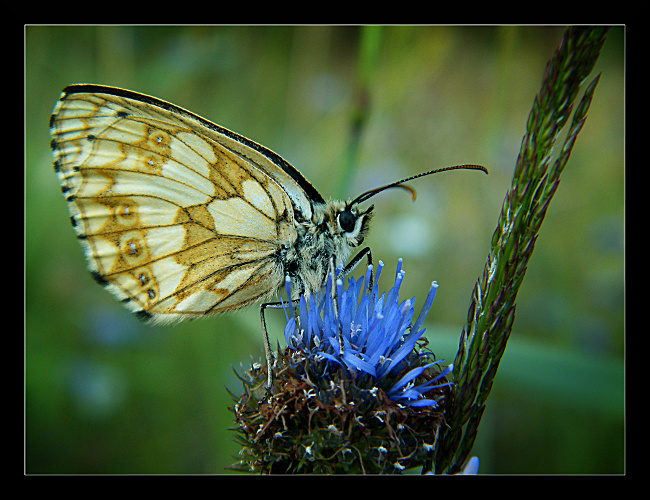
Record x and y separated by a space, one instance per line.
107 394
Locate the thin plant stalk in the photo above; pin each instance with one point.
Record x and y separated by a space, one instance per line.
369 52
535 181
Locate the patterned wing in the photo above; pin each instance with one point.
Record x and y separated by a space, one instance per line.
177 219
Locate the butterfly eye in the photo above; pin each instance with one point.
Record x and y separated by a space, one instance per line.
347 221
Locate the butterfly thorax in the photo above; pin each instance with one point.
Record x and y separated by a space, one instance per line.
307 261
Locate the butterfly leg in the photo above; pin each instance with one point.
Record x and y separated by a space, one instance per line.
270 357
355 261
335 277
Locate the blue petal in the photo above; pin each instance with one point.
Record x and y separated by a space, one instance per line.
290 331
354 362
413 374
366 279
403 351
419 403
427 306
410 394
472 467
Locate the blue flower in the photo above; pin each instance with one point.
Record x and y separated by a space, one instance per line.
378 335
355 391
471 468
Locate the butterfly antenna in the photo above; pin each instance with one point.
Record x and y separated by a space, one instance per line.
400 184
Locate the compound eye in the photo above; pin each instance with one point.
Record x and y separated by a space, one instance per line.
347 221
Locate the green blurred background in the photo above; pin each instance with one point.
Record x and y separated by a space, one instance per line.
107 394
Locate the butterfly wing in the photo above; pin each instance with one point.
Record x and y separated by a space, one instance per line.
178 217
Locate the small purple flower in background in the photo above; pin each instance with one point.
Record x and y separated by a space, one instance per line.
471 469
374 406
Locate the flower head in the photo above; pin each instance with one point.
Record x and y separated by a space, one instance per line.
355 390
377 333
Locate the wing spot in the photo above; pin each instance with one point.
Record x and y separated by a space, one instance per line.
99 278
143 315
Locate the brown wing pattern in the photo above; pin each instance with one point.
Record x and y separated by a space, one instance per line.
177 220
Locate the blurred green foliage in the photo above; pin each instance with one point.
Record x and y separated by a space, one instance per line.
107 394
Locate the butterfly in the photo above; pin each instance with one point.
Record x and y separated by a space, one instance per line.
181 218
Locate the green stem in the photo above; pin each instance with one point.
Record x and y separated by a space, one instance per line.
371 37
535 180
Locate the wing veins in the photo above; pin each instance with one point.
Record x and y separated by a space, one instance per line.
207 277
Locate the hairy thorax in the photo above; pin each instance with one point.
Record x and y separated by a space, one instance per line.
307 261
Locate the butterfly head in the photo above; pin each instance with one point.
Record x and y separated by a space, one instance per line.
349 222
